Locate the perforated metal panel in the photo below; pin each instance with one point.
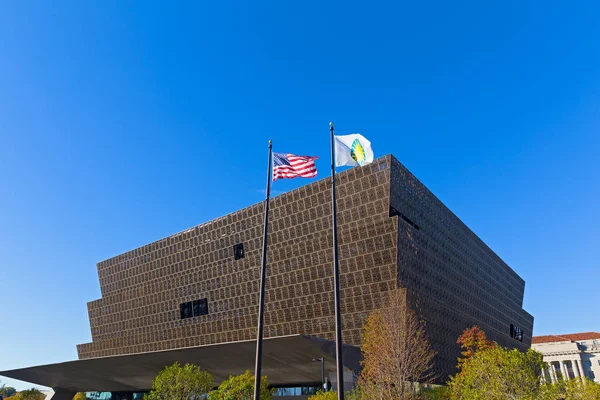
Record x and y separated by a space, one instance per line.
392 232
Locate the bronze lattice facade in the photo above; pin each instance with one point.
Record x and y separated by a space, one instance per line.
392 232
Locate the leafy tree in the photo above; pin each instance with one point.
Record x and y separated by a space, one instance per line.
332 395
471 341
30 394
321 395
489 371
573 389
7 391
175 382
80 396
241 387
434 393
396 352
498 374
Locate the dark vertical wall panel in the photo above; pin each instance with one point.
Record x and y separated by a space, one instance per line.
452 277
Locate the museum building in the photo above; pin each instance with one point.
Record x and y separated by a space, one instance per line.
193 296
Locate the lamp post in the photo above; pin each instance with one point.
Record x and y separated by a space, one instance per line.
322 371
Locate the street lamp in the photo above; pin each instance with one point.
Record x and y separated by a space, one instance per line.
322 371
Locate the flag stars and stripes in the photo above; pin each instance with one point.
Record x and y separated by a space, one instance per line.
287 165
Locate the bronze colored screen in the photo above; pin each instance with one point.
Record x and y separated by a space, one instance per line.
392 231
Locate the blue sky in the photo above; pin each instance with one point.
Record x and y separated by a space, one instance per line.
123 123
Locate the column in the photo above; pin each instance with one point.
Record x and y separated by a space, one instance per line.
561 369
564 370
575 369
580 373
553 372
548 377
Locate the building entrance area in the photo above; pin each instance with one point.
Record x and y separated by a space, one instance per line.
115 395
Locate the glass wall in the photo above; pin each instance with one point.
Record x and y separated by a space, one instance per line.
279 391
296 390
115 395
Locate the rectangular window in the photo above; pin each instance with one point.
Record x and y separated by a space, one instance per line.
186 310
238 251
516 333
193 308
200 307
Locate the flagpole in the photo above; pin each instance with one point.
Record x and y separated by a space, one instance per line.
263 273
336 278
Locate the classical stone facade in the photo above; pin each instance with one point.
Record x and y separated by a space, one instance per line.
393 233
574 355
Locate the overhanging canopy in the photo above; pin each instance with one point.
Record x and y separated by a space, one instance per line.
286 360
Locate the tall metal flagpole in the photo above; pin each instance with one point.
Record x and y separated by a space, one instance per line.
336 278
263 273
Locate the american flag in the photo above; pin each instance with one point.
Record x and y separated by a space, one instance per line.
291 166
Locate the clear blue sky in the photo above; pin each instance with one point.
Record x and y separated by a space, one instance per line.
125 122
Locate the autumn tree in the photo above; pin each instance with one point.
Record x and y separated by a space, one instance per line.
396 352
241 387
498 373
80 396
471 341
181 383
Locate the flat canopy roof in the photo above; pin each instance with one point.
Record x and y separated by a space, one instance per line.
286 360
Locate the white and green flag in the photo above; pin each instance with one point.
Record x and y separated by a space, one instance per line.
352 150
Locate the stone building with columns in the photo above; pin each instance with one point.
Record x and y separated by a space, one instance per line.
573 355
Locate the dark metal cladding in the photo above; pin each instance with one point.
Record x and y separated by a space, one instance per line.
453 279
391 230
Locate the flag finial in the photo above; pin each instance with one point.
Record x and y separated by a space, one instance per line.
331 124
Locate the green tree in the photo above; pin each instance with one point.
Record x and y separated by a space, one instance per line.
181 383
498 374
332 395
573 389
241 387
434 393
30 394
7 391
321 395
472 340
